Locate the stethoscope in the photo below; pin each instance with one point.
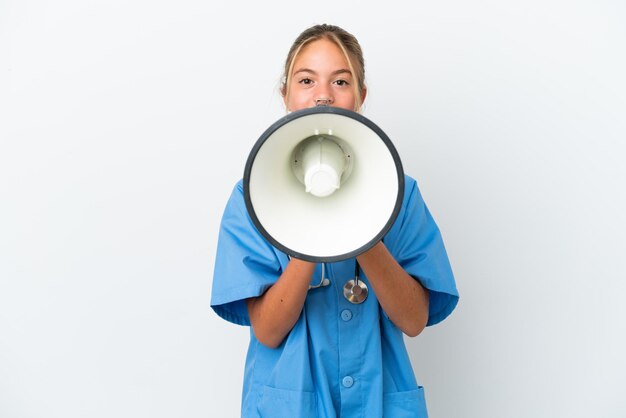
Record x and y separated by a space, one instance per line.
354 290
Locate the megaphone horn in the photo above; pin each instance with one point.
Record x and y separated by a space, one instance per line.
323 184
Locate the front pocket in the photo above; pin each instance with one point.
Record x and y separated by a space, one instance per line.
282 403
409 404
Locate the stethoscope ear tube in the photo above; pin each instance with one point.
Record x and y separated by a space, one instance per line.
323 282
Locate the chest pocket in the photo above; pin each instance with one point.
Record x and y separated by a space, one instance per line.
409 404
281 403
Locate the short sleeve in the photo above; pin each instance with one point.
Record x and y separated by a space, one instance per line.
245 264
416 243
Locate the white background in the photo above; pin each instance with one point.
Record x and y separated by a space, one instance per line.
125 124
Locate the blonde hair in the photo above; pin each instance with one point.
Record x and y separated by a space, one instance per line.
348 44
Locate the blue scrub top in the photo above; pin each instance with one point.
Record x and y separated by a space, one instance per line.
339 359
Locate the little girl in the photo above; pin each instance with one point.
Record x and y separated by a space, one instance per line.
314 353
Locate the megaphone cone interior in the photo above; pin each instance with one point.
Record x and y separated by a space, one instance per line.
323 184
319 162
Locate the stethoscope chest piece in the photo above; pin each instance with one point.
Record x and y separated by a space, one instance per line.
355 291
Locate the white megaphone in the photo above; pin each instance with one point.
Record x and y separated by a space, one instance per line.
323 184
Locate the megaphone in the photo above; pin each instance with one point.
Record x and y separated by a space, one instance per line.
323 184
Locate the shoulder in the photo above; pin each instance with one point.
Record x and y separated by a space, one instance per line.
238 188
412 192
236 199
409 183
408 180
